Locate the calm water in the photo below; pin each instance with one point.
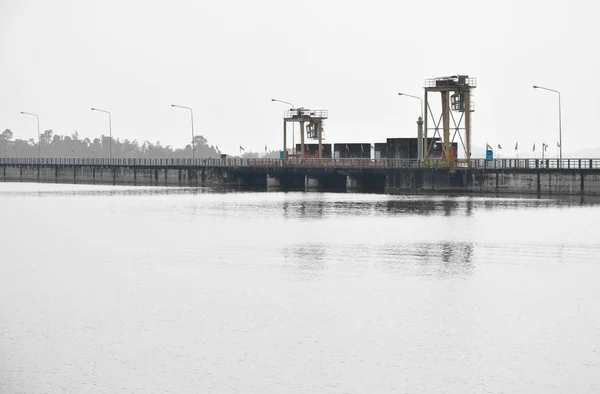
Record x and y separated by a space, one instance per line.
154 290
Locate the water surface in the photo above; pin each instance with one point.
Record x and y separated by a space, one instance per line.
177 290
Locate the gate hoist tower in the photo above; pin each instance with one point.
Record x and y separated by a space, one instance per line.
456 98
311 123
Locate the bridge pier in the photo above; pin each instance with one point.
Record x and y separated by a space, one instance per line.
273 182
311 182
352 183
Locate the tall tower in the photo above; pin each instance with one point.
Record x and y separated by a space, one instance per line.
456 98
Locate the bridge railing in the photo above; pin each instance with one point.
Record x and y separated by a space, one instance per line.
334 163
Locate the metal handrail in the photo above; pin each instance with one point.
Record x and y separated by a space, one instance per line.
298 162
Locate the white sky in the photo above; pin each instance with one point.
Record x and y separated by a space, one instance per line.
227 58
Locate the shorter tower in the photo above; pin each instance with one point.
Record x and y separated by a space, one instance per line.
311 127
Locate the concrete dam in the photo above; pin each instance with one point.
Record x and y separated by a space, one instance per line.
515 176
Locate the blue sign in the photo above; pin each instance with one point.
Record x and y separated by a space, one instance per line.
489 155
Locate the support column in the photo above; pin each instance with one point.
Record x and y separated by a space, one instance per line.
467 96
301 138
273 181
420 139
425 143
285 138
446 124
310 182
320 134
352 183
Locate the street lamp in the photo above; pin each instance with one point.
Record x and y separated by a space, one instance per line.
293 106
109 130
559 116
419 127
38 128
416 97
192 115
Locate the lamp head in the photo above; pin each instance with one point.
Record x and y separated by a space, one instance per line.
93 109
535 86
400 94
273 100
172 105
22 113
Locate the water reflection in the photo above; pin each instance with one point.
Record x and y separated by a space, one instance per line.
425 206
443 260
306 261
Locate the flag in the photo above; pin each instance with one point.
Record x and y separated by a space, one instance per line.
545 147
242 149
487 146
557 144
534 146
362 149
517 145
499 146
265 147
217 148
348 149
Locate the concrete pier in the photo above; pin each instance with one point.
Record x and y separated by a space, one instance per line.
311 182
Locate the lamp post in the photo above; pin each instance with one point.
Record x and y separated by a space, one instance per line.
293 106
415 97
192 117
559 116
38 129
109 129
419 126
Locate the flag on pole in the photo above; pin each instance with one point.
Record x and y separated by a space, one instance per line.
487 146
347 149
265 148
499 146
545 147
534 146
362 150
557 144
517 145
242 149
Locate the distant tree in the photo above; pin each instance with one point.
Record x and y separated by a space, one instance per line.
6 135
73 146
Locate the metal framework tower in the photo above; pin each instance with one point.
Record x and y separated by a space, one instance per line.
311 125
456 97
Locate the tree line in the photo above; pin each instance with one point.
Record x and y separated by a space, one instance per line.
54 145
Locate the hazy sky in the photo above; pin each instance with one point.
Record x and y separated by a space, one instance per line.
226 59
